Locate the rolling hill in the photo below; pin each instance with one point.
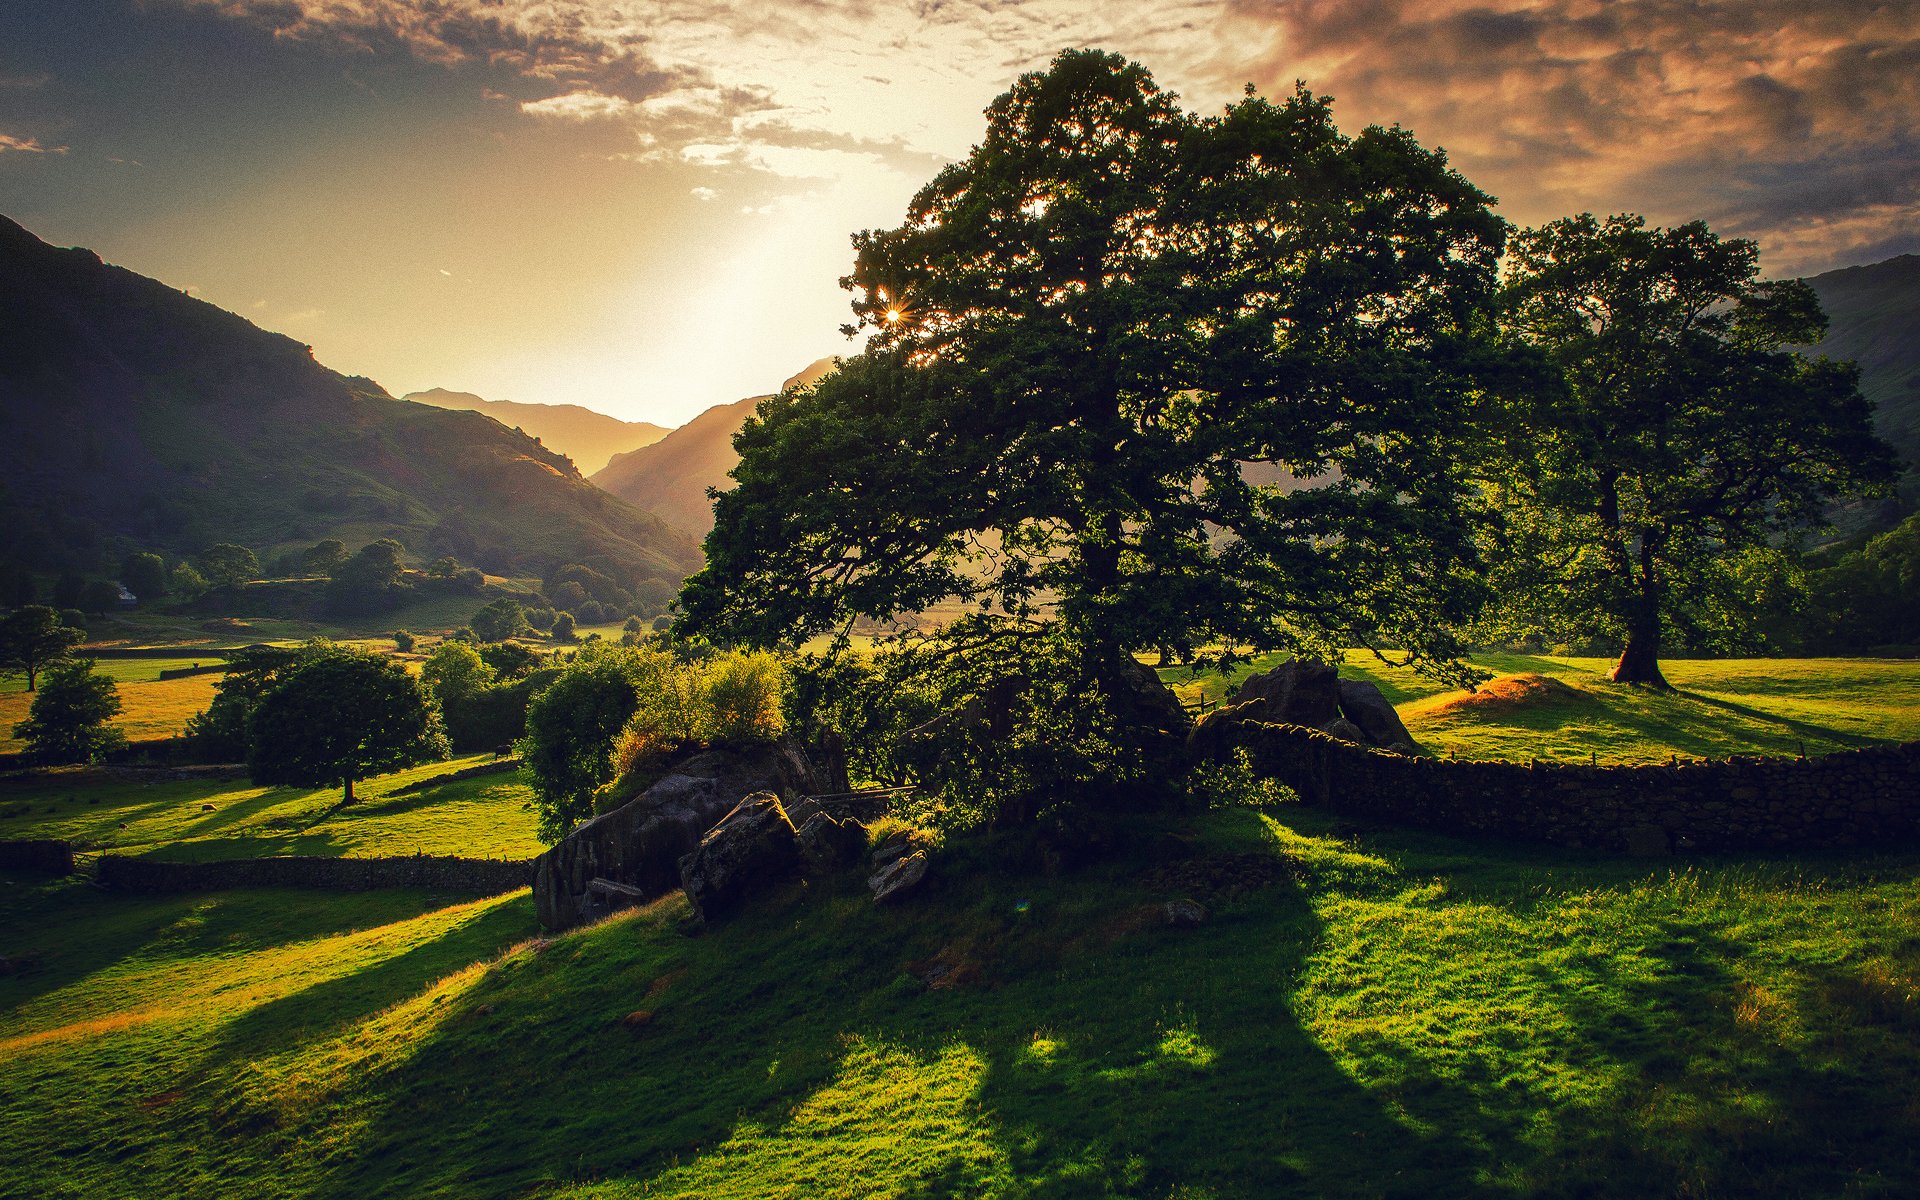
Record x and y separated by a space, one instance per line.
587 437
1874 319
134 416
671 477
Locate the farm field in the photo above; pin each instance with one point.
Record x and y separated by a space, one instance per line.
481 817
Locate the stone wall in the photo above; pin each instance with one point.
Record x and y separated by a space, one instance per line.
37 854
471 876
1857 798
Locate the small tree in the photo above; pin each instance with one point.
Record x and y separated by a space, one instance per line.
341 716
226 565
562 630
571 729
33 637
498 620
185 582
1684 436
145 575
324 557
69 719
369 582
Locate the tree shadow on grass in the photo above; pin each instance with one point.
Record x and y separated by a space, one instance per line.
1108 1054
1803 731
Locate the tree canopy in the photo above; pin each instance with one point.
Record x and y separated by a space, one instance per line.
1648 489
33 636
1163 380
69 721
338 715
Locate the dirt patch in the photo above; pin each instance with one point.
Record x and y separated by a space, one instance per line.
952 967
1507 694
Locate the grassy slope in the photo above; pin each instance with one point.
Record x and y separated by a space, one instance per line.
1720 707
482 817
1410 1016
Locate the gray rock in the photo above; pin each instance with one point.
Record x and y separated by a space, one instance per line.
1185 914
641 843
1363 704
1346 731
828 844
899 878
1297 692
749 849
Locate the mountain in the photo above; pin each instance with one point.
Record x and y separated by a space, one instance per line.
1873 316
589 438
671 477
134 416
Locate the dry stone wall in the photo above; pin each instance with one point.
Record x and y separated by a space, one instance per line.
470 876
1856 798
37 854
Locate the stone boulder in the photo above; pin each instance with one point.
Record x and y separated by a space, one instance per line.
829 844
748 850
1346 731
641 843
1297 692
1363 704
899 877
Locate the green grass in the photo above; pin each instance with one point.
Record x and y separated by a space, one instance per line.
1402 1015
1719 707
482 817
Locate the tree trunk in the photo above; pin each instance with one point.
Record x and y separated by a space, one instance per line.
1640 661
348 799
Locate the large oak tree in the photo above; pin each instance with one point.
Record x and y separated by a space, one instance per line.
1154 379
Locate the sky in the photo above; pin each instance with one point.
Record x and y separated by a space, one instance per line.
644 206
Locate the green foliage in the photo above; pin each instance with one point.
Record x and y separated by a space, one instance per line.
498 620
33 636
1869 598
403 641
69 720
571 727
1681 438
561 627
1235 784
340 715
483 694
224 732
324 557
145 575
186 583
369 582
226 565
511 660
870 703
99 596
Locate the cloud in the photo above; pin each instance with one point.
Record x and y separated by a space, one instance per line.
1785 120
26 145
703 193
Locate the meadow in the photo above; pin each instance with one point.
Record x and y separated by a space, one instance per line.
1367 1011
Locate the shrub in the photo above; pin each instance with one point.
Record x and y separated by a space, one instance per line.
403 641
1236 784
742 695
561 628
499 620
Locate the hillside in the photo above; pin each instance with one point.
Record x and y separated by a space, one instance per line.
133 415
587 437
1874 319
671 477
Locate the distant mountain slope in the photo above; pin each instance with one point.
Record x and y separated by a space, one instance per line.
671 477
1874 319
132 415
589 438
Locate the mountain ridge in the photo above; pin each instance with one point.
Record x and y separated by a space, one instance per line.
588 436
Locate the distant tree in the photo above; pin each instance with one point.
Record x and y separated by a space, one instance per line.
226 565
369 582
324 557
633 625
99 596
510 660
455 672
67 588
32 637
444 568
498 620
567 596
185 582
403 641
225 730
69 721
1683 439
540 618
562 630
470 580
145 575
339 717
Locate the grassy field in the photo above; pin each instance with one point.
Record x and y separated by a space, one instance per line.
1392 1015
1719 707
481 817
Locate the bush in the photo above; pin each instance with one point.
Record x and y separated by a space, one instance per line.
69 719
403 641
1236 784
562 627
499 620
